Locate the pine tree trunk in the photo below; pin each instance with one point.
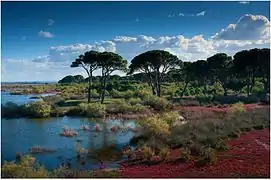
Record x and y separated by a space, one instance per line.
248 85
103 90
184 89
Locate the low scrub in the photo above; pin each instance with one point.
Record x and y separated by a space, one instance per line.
11 110
235 99
27 167
94 110
202 138
237 108
121 106
157 103
39 109
134 101
154 126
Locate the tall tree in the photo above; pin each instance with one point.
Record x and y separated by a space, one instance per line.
155 64
246 65
89 62
201 73
264 68
219 66
110 62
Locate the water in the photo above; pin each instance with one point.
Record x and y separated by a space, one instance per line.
18 99
18 135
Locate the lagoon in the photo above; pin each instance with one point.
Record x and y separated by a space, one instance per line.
20 134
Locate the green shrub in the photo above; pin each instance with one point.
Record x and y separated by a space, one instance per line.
128 94
154 125
208 157
94 110
134 101
94 93
53 100
142 93
24 169
237 108
10 110
204 100
235 99
27 168
185 155
157 103
116 94
148 152
170 118
120 106
38 109
164 153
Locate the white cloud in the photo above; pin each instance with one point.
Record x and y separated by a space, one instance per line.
50 22
202 13
56 64
124 39
46 34
243 2
248 27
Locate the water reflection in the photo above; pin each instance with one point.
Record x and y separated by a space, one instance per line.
18 135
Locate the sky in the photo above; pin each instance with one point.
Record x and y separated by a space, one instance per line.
41 39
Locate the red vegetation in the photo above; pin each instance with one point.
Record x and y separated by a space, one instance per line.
248 157
219 108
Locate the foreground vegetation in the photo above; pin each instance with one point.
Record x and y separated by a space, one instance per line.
26 167
198 140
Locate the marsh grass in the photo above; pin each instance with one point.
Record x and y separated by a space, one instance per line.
28 168
202 138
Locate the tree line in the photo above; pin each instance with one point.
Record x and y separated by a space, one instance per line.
158 66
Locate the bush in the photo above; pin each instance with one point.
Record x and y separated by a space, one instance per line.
163 153
195 149
236 99
170 118
134 101
27 168
53 100
128 94
147 152
94 110
237 108
204 100
10 110
155 125
38 109
157 103
208 157
94 93
185 155
24 169
142 94
120 106
116 94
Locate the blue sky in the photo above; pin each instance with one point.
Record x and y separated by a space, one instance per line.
46 36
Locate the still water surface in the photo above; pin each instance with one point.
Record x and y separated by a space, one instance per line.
18 135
